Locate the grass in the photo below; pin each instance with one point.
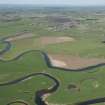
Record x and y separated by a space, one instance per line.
88 40
22 66
20 92
63 95
88 43
86 48
2 46
81 47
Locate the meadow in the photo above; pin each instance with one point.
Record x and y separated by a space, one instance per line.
27 56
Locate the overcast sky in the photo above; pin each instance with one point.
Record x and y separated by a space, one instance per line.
55 2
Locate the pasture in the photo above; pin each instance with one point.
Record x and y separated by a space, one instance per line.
31 38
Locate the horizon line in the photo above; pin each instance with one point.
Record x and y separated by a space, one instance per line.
51 5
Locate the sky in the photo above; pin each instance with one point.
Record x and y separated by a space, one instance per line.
55 2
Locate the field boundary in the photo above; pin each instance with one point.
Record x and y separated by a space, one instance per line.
39 94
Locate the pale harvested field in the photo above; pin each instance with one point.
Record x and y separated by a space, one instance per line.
73 62
19 37
45 40
52 40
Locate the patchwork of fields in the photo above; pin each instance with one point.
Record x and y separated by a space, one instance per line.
52 56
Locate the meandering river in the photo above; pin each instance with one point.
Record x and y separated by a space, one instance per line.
41 93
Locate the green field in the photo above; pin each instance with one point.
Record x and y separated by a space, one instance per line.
89 35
